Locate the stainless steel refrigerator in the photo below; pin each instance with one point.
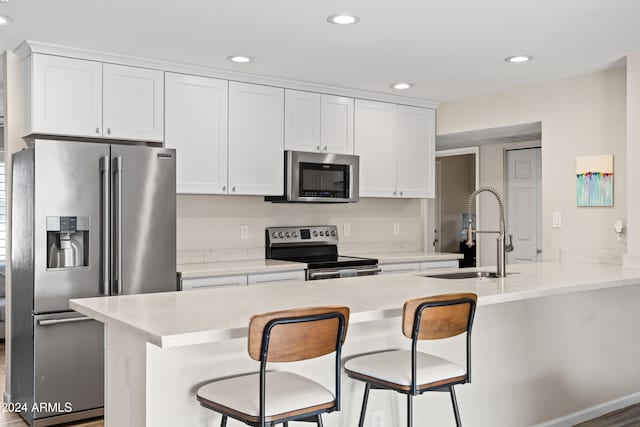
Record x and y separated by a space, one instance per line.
89 220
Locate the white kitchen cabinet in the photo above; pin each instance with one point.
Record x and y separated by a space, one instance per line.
336 135
433 265
133 103
62 96
214 282
318 122
375 128
279 277
396 145
415 140
196 126
404 267
256 139
301 120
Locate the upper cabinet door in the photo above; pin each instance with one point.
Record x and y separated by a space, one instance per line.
301 120
196 126
375 126
337 124
63 96
133 103
256 139
415 152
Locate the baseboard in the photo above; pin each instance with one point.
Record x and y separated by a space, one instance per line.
592 412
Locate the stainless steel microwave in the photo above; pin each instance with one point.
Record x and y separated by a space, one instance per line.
319 178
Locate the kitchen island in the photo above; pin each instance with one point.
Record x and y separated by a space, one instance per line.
550 340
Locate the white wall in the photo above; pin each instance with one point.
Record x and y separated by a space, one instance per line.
633 154
209 226
582 115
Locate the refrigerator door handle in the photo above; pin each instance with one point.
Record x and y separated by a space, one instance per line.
117 262
59 321
104 221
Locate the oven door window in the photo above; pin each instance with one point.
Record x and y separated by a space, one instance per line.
324 180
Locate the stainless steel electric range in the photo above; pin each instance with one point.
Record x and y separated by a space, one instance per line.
317 246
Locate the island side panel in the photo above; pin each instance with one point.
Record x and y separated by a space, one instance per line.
125 378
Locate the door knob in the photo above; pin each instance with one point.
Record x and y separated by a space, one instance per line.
538 251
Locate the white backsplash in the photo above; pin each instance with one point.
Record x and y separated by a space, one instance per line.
209 226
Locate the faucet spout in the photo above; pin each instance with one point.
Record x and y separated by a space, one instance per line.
503 247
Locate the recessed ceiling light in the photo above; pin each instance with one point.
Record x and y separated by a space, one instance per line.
240 59
343 19
519 58
402 85
5 20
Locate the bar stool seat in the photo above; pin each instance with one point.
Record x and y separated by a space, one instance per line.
286 393
394 367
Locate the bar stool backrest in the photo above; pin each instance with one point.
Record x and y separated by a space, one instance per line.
297 334
440 316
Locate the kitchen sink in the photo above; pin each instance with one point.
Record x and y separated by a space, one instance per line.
466 275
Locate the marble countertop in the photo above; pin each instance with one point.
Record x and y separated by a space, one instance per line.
400 257
226 268
173 319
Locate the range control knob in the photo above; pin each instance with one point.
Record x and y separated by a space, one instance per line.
294 234
287 234
280 234
315 233
333 232
321 233
274 234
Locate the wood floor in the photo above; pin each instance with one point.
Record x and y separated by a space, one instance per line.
627 417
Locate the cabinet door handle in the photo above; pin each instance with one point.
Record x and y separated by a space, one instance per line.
108 131
395 192
325 148
318 148
224 188
401 193
233 188
98 131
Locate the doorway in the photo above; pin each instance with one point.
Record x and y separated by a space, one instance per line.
524 204
456 178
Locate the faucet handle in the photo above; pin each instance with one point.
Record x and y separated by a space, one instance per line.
509 245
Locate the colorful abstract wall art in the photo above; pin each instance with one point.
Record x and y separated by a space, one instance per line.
594 183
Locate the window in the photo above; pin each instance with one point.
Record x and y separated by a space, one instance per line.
3 214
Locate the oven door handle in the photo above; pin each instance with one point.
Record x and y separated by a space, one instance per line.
324 274
375 270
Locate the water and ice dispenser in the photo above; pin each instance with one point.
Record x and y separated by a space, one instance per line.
67 241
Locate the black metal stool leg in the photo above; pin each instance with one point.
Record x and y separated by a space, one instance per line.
455 406
319 422
285 424
223 423
365 399
409 410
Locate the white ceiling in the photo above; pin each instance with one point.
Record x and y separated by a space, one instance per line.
448 48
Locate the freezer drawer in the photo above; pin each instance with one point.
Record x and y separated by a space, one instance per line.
69 363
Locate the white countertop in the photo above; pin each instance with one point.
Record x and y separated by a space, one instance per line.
226 268
400 257
185 318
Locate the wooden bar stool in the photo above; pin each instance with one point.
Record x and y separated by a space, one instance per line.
277 397
413 372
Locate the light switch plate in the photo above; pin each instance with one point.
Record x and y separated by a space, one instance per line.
244 232
396 228
346 229
557 220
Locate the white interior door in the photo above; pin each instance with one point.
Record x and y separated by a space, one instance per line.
524 205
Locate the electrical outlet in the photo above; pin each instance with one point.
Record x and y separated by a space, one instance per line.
346 229
396 228
378 418
244 232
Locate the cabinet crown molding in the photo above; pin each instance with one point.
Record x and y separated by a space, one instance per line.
29 47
